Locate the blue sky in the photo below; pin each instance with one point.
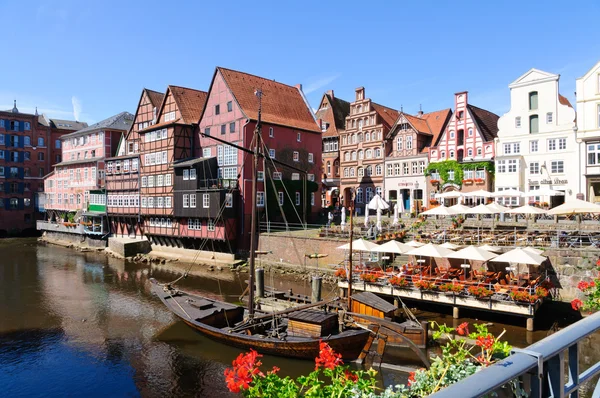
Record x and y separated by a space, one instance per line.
102 53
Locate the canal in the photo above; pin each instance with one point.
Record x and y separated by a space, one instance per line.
84 324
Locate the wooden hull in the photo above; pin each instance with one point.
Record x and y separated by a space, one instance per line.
397 333
349 343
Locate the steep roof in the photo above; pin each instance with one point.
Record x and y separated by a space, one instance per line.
155 97
388 115
67 124
281 104
336 113
120 121
432 123
190 102
486 121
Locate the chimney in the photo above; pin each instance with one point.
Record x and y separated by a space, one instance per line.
330 93
420 113
298 86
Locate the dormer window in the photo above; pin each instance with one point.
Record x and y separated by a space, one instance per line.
460 115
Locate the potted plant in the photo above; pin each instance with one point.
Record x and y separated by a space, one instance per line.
370 278
522 296
434 182
467 181
479 180
398 281
452 287
340 273
480 292
424 284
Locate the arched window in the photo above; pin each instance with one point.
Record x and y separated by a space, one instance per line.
378 170
40 155
78 198
353 155
354 138
344 140
352 172
361 172
359 108
354 123
533 124
40 141
373 136
479 151
359 195
367 137
345 172
347 156
443 155
470 132
469 152
336 168
377 152
451 154
533 100
369 194
378 191
328 167
369 154
360 124
27 140
361 154
360 137
369 171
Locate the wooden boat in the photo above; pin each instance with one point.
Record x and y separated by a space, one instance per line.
268 334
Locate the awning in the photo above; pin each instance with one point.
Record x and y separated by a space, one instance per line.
93 214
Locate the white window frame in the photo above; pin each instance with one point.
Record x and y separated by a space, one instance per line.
206 201
186 200
193 200
260 199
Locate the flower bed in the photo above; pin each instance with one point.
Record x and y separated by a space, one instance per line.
398 281
340 273
591 291
371 278
524 296
424 284
452 287
480 292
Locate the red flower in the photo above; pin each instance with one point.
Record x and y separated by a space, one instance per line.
598 263
245 367
486 342
350 376
411 378
275 370
576 304
463 329
583 285
327 357
592 284
482 360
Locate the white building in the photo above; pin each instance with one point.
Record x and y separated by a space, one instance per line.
536 144
588 133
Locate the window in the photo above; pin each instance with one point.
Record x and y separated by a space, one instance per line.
599 115
534 168
533 146
217 109
549 117
533 124
150 181
168 180
312 198
186 200
369 194
562 143
379 170
192 174
451 154
223 128
193 200
361 154
422 167
260 175
210 225
281 198
41 141
501 166
14 203
295 176
207 131
296 156
186 174
409 142
297 198
557 143
512 165
359 195
206 152
310 177
480 173
399 143
168 203
27 126
232 127
388 170
361 172
470 132
2 139
451 134
27 140
40 155
144 181
518 122
533 100
593 152
260 199
557 166
470 152
229 106
160 180
310 158
272 153
271 134
277 175
451 175
228 200
378 152
298 137
467 174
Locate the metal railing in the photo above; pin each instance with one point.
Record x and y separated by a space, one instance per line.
541 368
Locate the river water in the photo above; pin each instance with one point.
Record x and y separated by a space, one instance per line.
83 324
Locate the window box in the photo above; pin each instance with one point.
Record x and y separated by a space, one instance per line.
434 182
479 181
467 181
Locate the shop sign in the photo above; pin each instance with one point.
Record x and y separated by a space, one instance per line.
549 181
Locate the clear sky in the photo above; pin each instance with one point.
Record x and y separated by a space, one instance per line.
100 54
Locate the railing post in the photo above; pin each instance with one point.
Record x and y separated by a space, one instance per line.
555 374
574 368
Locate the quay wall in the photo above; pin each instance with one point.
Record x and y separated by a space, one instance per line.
290 251
67 239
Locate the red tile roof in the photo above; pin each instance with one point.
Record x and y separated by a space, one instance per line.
281 104
437 123
388 115
155 97
487 122
190 103
335 114
563 100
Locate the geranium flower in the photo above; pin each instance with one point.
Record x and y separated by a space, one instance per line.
350 376
463 329
486 342
583 285
411 378
245 368
327 357
576 304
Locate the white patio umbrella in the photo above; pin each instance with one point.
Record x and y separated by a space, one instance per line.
575 206
533 250
439 211
343 216
450 245
378 204
497 208
359 245
430 250
481 193
395 221
481 209
460 209
520 256
449 195
526 210
490 248
473 253
393 247
414 243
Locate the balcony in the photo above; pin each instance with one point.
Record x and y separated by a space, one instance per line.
64 227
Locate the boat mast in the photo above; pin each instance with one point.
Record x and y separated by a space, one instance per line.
257 139
350 255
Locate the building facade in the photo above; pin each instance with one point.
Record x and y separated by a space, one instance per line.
26 156
81 173
462 158
290 134
123 178
407 159
331 116
536 141
588 133
362 149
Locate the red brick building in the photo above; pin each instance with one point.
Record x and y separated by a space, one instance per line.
27 153
331 116
290 134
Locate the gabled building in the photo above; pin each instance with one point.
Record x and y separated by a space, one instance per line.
407 157
78 181
290 134
331 116
467 149
536 141
363 145
123 170
588 133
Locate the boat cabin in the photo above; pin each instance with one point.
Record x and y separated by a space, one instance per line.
367 303
312 323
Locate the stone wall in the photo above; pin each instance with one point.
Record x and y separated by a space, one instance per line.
291 250
62 238
128 247
567 267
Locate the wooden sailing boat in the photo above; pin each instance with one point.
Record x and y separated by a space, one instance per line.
293 333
